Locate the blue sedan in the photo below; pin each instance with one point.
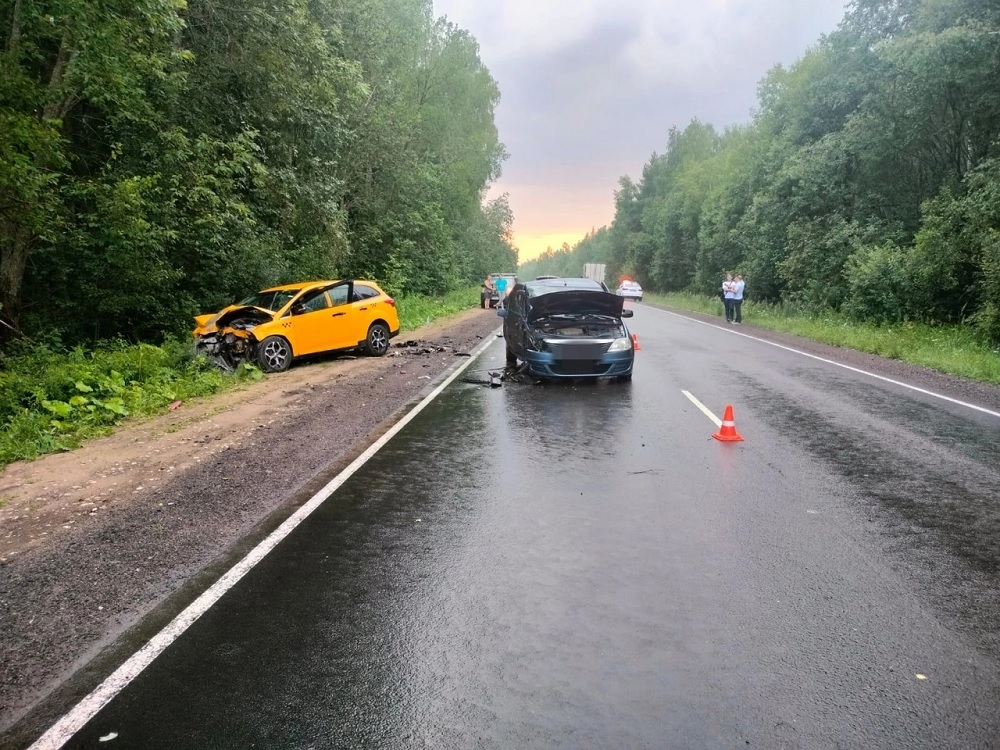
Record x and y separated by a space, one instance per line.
567 328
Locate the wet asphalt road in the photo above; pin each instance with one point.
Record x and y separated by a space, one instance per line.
582 566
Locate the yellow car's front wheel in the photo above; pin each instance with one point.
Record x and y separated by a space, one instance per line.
274 354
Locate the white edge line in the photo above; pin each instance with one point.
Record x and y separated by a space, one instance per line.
64 729
705 410
858 370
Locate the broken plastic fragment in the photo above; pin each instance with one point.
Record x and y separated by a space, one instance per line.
109 736
921 677
175 405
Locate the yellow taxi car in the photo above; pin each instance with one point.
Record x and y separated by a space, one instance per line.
274 326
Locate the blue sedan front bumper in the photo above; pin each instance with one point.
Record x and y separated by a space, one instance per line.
562 365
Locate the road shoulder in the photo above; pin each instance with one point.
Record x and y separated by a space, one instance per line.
963 389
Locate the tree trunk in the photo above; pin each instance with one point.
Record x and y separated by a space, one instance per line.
60 103
15 241
14 40
16 236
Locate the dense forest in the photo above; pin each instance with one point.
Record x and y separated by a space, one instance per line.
161 158
867 181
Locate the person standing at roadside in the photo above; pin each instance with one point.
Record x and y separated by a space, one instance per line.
738 287
501 285
487 293
728 296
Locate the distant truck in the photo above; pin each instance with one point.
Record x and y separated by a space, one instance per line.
594 271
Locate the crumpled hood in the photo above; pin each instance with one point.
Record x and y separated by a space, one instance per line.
231 313
575 302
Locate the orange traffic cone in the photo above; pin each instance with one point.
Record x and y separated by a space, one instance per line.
635 343
727 433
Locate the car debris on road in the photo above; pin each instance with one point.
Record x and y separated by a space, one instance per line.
510 374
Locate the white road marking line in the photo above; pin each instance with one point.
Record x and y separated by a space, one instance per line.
837 364
705 410
64 729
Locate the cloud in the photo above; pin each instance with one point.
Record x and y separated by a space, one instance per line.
590 88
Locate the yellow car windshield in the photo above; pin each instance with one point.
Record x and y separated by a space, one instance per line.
273 300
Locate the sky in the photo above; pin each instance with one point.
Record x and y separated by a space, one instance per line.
590 89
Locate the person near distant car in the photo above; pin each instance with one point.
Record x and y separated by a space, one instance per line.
488 289
729 296
739 285
501 286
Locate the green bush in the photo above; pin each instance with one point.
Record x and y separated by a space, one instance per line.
51 400
987 318
877 284
416 311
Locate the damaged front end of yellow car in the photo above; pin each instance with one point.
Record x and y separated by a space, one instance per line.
227 338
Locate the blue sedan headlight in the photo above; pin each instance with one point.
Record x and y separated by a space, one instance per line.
620 345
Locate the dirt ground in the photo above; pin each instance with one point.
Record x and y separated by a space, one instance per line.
92 540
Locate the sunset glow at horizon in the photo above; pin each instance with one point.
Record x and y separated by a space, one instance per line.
546 217
531 246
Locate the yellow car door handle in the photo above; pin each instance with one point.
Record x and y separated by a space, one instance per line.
363 308
334 315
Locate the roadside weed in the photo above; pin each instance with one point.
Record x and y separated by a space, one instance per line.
52 400
417 311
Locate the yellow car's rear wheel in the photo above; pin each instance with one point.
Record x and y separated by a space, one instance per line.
377 342
274 354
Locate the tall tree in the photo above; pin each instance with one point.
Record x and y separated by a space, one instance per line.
68 67
160 158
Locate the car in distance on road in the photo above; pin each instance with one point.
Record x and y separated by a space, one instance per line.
630 290
567 328
272 327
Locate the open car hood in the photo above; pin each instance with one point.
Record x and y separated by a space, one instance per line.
220 320
575 302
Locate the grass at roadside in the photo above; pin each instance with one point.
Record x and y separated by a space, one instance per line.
52 400
955 350
419 311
